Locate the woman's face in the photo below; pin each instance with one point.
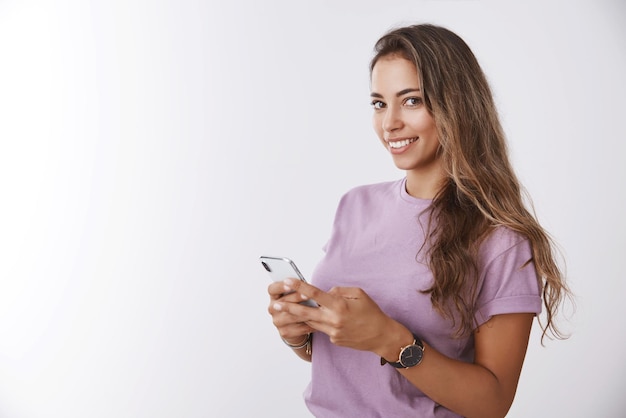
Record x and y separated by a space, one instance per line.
401 120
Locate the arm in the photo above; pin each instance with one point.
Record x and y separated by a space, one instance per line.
485 388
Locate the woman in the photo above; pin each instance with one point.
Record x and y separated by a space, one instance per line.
429 284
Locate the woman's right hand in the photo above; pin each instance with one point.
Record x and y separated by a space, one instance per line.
291 328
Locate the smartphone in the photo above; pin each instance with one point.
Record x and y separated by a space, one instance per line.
281 268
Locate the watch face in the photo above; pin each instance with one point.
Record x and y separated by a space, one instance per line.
411 356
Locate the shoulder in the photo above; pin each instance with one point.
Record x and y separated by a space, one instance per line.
368 201
372 191
508 279
501 239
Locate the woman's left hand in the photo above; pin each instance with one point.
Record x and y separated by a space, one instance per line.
346 314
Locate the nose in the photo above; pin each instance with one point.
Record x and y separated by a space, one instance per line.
392 120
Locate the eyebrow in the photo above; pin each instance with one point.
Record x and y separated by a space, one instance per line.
398 94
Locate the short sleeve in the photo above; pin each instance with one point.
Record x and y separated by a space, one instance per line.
508 282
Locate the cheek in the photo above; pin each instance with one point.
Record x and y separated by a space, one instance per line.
378 129
377 125
426 125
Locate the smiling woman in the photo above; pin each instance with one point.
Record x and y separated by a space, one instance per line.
437 276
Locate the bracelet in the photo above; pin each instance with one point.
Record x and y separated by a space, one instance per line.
308 343
303 344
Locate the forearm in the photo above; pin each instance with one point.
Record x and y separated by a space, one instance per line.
485 388
465 388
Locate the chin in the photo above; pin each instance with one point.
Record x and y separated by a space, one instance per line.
405 165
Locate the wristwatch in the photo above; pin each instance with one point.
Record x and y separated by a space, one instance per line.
410 356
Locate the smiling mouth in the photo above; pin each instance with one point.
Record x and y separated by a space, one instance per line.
402 143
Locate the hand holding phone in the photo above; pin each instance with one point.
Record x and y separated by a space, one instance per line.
281 268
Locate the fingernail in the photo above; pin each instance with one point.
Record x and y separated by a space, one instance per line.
303 297
277 307
288 282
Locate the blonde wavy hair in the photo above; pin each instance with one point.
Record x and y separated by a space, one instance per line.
481 190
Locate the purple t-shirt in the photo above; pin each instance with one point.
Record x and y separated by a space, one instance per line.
376 236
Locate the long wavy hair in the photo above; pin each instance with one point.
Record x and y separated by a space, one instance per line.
481 190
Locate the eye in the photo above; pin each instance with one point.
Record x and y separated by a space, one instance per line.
377 104
413 101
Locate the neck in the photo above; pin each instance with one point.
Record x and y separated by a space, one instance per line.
422 185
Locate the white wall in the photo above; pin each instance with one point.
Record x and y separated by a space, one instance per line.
150 151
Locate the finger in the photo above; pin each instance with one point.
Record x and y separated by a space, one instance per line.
320 326
287 328
283 320
276 290
293 297
295 332
297 312
295 329
347 292
309 291
283 306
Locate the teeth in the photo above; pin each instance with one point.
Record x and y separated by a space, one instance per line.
403 143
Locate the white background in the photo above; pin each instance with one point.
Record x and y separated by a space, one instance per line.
150 151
